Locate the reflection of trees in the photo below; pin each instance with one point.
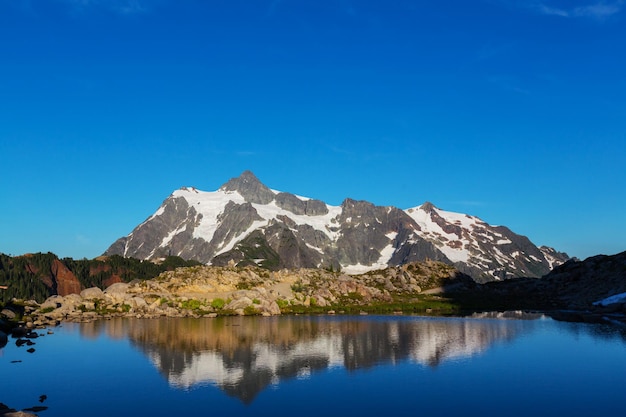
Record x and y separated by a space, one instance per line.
243 355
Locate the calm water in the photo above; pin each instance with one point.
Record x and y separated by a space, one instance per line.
313 366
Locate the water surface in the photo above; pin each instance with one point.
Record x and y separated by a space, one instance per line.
312 366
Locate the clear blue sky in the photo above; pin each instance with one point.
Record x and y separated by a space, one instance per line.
510 110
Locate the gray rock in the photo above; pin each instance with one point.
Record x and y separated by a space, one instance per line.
291 203
239 303
8 313
117 288
72 299
117 293
89 305
54 301
138 302
92 293
249 186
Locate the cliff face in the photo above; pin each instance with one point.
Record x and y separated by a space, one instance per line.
66 281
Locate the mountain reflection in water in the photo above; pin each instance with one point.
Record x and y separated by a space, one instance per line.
244 355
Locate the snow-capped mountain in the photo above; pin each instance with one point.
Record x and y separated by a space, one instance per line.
246 222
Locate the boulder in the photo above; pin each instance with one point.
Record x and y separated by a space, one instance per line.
54 301
92 293
138 302
89 305
271 307
117 293
8 313
69 303
117 288
239 304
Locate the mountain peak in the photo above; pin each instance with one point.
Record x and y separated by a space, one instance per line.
250 188
428 207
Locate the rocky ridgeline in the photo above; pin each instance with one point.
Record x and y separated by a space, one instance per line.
206 291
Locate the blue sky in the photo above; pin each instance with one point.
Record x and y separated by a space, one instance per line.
513 111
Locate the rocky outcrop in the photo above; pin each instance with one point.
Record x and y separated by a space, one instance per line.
582 283
205 291
593 290
66 281
295 205
249 186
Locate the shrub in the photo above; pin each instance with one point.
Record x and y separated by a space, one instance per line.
218 303
191 304
250 310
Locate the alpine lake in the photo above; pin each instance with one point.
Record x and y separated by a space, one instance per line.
527 365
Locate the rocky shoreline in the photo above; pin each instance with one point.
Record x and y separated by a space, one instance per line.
208 291
204 291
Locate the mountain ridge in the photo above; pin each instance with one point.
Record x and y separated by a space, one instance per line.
357 236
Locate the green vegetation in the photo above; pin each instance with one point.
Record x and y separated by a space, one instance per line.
428 306
243 285
192 304
25 276
218 303
250 311
33 276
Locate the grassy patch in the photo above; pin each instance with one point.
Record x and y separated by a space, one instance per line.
250 311
191 304
218 303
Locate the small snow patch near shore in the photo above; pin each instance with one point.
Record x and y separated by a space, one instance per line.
617 298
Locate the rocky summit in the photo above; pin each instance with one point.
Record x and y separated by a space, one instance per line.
248 223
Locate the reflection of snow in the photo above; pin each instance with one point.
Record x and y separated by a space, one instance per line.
425 341
617 298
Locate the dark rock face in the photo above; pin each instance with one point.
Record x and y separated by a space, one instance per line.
236 219
297 206
575 286
291 203
249 186
248 223
174 215
581 283
414 252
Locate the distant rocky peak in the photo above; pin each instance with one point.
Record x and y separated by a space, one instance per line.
428 207
350 204
250 188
